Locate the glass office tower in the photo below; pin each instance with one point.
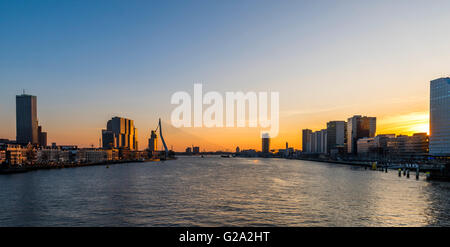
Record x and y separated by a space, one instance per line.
440 117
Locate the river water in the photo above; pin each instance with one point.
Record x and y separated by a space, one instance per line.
215 191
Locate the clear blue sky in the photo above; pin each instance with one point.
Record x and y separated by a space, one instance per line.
89 60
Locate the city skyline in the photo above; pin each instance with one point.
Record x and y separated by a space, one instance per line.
92 61
112 136
251 121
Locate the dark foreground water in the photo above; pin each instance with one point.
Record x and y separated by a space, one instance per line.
216 191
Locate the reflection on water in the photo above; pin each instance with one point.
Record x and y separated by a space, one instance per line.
215 191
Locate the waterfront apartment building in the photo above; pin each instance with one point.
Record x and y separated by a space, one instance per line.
91 155
314 142
2 156
47 155
26 119
366 145
382 140
265 143
395 146
336 136
306 140
415 145
112 154
120 133
377 144
321 141
440 117
15 154
359 127
65 155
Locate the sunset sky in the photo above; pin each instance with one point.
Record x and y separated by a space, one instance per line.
87 61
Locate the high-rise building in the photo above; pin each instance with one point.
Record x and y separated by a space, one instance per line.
42 136
120 133
320 141
26 119
314 142
336 135
306 140
153 142
135 140
108 139
265 143
440 117
324 142
359 127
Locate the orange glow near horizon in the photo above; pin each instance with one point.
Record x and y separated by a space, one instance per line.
247 138
396 121
227 139
407 124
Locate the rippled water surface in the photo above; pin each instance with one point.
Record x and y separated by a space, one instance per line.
214 191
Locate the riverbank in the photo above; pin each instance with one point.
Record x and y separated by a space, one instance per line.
355 163
435 172
33 167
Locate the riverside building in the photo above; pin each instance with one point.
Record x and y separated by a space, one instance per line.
120 133
314 142
440 117
265 143
394 146
26 119
336 136
306 140
359 127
